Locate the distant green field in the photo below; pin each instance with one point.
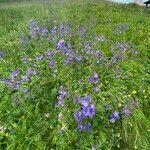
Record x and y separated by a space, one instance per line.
74 75
5 1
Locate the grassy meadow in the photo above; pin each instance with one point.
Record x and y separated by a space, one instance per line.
74 75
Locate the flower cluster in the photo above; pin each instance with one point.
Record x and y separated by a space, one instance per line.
40 57
36 30
87 111
82 32
95 80
99 56
63 94
118 52
72 56
43 32
118 57
129 108
114 116
85 53
12 80
15 80
125 111
50 55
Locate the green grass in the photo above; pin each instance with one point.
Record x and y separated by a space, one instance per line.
27 128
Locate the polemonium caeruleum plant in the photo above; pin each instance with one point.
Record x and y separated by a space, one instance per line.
64 61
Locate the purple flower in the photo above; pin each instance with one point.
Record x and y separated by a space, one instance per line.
91 79
134 103
33 34
94 78
62 27
118 57
61 44
86 127
63 93
51 64
33 26
25 79
15 73
79 116
126 111
80 127
65 51
120 47
40 57
19 81
15 87
28 71
54 30
78 58
89 111
70 52
81 31
85 101
114 116
96 89
68 61
60 102
7 81
50 54
61 97
43 32
86 44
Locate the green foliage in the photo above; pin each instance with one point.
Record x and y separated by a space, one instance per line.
33 122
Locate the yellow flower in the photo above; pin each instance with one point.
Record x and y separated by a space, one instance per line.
119 105
7 135
134 92
129 96
135 147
